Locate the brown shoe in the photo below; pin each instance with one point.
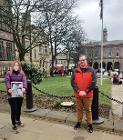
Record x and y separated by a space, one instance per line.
77 125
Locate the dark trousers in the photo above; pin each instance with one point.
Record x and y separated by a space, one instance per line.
15 104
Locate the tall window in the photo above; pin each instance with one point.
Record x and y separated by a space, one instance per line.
117 52
109 53
40 48
9 51
45 51
5 22
2 56
0 20
34 53
96 53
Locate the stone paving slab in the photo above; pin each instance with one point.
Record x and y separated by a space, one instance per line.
117 93
36 129
69 118
57 115
40 113
1 126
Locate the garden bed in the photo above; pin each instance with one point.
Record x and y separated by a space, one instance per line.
54 103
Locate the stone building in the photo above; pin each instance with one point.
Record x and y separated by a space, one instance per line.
112 53
40 52
62 60
8 51
40 57
7 47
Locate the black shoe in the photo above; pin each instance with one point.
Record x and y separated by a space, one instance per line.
14 127
19 123
78 125
90 128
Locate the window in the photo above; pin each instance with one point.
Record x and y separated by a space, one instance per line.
9 51
5 22
117 52
96 53
40 48
6 52
0 20
1 50
34 53
45 50
109 53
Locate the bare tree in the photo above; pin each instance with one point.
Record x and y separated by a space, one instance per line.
52 19
26 35
74 41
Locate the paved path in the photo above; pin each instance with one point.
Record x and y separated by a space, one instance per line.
117 93
37 129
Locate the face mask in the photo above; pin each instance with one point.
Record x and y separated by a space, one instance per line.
16 68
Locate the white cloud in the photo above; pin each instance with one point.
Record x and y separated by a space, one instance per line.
89 11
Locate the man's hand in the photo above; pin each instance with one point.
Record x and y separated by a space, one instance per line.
82 93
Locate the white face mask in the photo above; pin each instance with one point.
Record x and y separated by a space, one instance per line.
16 67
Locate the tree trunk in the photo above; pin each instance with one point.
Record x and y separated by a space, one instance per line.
21 56
52 65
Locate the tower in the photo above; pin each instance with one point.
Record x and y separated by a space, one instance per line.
105 35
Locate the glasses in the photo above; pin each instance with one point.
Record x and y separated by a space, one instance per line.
82 60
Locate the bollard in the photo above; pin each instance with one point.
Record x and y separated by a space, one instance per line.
95 107
29 98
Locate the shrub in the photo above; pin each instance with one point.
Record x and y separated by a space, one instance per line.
32 72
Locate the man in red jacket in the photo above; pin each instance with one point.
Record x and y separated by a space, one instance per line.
83 81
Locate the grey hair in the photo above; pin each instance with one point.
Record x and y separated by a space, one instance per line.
83 55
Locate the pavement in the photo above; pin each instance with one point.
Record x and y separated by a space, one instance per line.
51 125
44 129
117 93
39 125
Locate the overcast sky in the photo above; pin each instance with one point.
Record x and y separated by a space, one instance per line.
88 11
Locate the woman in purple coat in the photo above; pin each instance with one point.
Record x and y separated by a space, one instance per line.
13 78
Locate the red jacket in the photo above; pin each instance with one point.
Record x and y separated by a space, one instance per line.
83 79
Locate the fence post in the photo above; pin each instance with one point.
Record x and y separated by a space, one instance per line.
29 98
95 107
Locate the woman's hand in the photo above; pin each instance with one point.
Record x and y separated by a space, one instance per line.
10 90
23 90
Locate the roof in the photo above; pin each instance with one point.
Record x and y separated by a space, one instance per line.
112 42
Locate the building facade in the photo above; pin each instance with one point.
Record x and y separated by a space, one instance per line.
7 47
40 52
62 60
112 53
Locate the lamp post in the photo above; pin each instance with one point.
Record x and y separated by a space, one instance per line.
30 43
101 17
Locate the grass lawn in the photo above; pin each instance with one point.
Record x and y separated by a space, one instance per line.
106 89
2 86
61 86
